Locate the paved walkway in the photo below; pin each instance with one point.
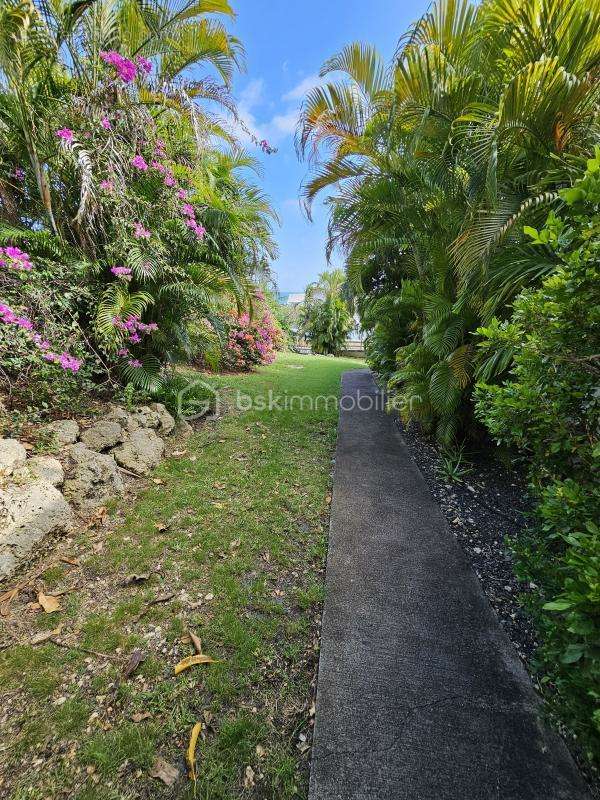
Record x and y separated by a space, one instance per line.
421 695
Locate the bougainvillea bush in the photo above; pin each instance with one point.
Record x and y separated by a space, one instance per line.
121 218
251 341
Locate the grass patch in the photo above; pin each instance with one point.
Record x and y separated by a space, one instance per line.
236 531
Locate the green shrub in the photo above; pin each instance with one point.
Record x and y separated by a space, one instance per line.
549 408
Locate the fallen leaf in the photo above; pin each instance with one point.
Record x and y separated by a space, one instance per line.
207 716
139 716
130 579
5 601
218 505
179 452
196 642
161 526
209 597
235 544
191 661
312 710
219 485
158 481
135 659
72 561
164 771
98 517
260 751
45 635
49 603
191 751
248 777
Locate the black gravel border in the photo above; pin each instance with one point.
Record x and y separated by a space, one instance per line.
484 509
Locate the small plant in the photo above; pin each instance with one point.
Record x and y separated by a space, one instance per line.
453 467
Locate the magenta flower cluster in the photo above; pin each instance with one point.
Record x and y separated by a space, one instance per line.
140 232
14 258
121 272
64 359
66 134
189 213
251 342
132 326
125 69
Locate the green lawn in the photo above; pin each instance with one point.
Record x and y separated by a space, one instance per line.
237 531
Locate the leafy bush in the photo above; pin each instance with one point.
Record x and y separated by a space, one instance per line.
326 324
251 341
549 408
133 223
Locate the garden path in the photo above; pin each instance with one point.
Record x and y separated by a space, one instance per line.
421 695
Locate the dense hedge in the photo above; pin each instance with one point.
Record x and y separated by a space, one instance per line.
549 408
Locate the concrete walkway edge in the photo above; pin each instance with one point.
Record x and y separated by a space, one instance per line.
421 695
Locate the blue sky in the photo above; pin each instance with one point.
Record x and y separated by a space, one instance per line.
286 43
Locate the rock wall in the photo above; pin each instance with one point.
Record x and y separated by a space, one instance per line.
44 494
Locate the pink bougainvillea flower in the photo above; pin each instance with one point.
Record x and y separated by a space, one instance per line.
144 64
123 351
121 272
140 232
126 69
19 174
188 209
170 181
139 163
182 194
159 167
15 258
107 185
106 123
134 362
66 134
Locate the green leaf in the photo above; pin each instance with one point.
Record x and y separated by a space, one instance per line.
572 654
558 605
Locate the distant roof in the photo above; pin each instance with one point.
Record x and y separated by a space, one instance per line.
291 298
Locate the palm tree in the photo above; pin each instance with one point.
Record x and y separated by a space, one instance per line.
434 165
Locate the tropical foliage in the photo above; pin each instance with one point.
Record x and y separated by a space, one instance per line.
325 317
129 199
453 179
434 165
549 408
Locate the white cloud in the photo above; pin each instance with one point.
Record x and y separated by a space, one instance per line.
301 89
286 123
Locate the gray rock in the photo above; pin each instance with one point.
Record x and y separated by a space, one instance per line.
12 455
141 452
167 422
41 468
65 431
183 428
102 435
92 478
28 512
118 414
146 416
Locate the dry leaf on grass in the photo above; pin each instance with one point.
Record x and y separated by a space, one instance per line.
140 716
43 636
164 772
191 751
5 601
191 661
248 777
135 659
158 481
162 526
48 602
196 641
130 579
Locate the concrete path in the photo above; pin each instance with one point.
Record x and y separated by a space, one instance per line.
421 695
